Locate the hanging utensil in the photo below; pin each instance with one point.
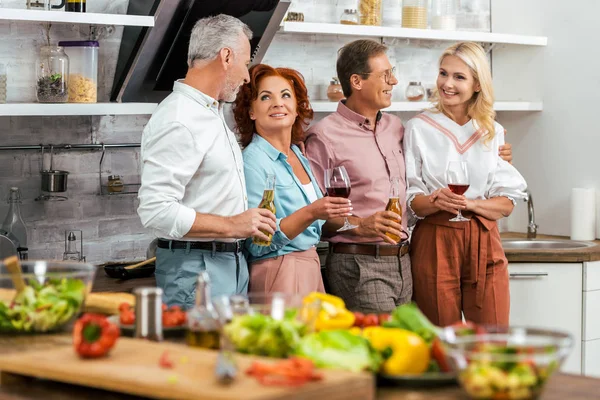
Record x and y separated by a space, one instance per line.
53 181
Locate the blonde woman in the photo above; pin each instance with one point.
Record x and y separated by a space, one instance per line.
459 266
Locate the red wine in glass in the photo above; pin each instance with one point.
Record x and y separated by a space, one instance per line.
457 177
337 184
338 192
457 188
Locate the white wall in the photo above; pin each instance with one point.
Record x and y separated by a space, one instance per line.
111 227
559 148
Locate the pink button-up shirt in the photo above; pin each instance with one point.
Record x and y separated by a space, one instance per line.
371 155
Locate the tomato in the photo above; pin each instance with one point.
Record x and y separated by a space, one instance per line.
124 306
384 318
439 355
358 319
371 320
165 361
164 307
127 317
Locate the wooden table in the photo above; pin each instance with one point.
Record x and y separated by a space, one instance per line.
560 387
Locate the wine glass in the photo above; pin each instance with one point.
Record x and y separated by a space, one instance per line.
337 184
458 182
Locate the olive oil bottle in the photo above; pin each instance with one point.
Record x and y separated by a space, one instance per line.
203 320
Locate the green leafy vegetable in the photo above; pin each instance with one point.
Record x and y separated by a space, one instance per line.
41 308
409 317
262 335
339 349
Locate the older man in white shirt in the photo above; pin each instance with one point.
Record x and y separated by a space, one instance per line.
193 192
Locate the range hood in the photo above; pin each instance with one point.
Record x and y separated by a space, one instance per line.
151 59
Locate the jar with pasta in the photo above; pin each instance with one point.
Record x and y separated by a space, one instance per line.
370 12
83 77
414 14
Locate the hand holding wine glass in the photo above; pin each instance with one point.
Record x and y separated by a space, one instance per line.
337 184
457 176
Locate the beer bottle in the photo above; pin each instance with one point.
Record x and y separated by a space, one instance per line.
268 203
394 203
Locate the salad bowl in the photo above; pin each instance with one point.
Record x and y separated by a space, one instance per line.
51 294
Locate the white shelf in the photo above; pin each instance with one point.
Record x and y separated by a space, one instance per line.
328 106
75 17
406 33
38 109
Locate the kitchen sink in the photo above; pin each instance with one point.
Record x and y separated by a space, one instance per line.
551 244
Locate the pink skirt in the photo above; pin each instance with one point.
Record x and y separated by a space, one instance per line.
298 272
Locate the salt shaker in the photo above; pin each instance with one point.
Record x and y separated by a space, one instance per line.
148 313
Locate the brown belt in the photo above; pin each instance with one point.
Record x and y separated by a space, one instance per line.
374 250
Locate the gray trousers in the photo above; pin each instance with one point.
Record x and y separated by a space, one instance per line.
177 271
370 284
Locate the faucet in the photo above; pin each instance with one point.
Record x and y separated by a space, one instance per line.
531 227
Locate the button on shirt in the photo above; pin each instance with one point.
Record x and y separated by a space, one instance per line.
191 162
371 152
260 159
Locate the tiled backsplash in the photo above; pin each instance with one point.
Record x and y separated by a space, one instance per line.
110 225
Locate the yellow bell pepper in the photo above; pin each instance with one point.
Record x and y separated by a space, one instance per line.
333 313
410 354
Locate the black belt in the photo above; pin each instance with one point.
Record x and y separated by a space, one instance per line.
367 249
219 247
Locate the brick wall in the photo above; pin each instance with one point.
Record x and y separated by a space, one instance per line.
110 225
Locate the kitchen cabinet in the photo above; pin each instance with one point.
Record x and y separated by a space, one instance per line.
549 295
562 296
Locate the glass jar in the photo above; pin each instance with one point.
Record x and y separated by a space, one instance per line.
443 15
370 12
294 16
334 90
415 91
414 14
350 17
52 72
83 66
75 5
115 184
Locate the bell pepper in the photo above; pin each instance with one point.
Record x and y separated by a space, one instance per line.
333 313
94 335
407 353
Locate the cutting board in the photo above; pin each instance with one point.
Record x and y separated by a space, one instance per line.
133 367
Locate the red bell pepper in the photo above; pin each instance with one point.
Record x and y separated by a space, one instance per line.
94 335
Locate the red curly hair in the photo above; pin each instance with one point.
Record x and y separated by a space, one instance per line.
249 92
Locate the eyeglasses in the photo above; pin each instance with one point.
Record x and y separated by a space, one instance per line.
387 74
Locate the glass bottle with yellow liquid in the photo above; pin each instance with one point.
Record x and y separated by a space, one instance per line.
268 203
394 203
203 320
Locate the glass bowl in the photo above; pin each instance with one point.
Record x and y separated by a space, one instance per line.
53 296
505 362
266 324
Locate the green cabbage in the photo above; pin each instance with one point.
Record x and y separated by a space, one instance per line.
339 349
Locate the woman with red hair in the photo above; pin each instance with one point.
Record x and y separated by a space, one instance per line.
272 112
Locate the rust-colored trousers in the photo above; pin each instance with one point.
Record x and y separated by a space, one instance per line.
460 266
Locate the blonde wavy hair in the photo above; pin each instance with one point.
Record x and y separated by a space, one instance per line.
481 105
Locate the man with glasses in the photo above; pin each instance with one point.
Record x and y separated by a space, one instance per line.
365 267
